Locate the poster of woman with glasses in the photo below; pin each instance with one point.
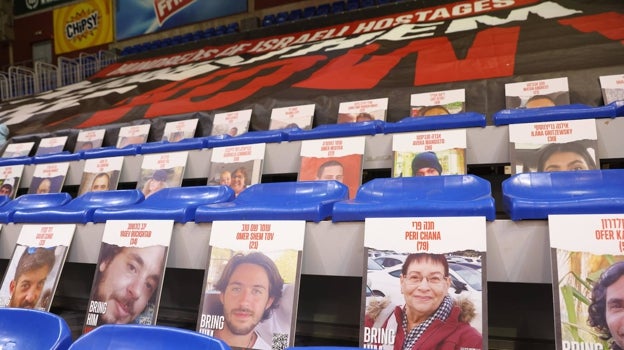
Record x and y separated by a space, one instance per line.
424 286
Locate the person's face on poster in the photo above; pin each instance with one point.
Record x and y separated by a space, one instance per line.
427 172
423 287
540 102
565 161
26 290
333 172
615 311
44 186
100 183
128 281
246 298
238 182
6 190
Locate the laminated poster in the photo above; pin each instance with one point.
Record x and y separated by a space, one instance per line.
289 117
231 123
337 159
537 93
612 87
10 177
100 174
35 267
14 150
89 139
362 111
554 146
132 135
129 273
48 178
251 284
438 103
180 130
161 170
237 166
429 153
587 256
425 292
51 145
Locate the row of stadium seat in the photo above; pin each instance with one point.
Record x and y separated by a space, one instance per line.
409 124
525 196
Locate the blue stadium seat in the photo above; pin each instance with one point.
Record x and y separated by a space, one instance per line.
281 17
174 203
251 137
353 4
323 10
110 151
335 130
295 14
4 200
536 195
233 27
556 113
134 336
32 201
338 6
220 30
33 329
79 210
25 160
448 195
210 32
61 157
367 3
269 20
302 200
451 121
309 11
165 146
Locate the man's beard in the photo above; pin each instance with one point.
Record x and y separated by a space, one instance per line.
240 330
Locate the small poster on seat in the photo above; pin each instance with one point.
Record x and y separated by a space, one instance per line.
35 267
251 284
100 174
429 153
554 146
180 130
231 123
51 145
587 259
294 116
48 178
161 170
425 283
89 139
10 177
612 87
237 166
429 104
132 135
129 273
537 93
337 159
362 111
21 149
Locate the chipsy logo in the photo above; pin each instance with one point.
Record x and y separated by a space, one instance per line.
167 8
81 24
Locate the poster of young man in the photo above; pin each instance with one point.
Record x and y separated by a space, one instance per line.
288 117
554 146
237 166
231 123
538 93
89 139
35 267
10 177
429 104
429 153
251 286
337 159
100 174
48 178
612 87
161 170
180 130
425 283
362 111
587 256
129 273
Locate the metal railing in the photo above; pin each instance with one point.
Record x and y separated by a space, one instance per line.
20 81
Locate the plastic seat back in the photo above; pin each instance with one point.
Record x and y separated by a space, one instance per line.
33 329
32 201
134 336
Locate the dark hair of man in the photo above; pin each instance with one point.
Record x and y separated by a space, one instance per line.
276 282
573 147
34 259
598 306
425 258
327 164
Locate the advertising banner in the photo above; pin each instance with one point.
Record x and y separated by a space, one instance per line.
82 25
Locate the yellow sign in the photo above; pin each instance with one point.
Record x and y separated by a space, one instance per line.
85 24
